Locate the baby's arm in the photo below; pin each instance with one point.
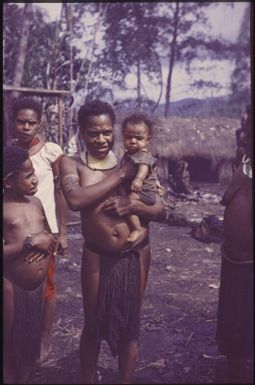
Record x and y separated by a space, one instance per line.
142 173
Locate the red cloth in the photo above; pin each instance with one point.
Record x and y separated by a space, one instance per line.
50 288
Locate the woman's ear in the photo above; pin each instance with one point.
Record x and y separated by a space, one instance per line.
8 181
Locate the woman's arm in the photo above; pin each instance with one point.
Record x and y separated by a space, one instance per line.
123 206
79 197
61 208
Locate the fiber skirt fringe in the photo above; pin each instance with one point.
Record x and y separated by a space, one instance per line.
27 323
235 326
118 311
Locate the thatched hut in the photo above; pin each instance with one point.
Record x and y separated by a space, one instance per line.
208 145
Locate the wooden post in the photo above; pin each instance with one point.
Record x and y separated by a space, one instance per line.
60 121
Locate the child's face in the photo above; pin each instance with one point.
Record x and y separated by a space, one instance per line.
136 137
25 182
27 125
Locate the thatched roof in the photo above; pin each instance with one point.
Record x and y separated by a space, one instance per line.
211 138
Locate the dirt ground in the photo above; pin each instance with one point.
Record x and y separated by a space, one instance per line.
178 322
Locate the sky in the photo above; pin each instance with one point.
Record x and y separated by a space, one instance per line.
225 21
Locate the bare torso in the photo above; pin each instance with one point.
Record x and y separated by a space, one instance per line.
21 219
100 230
238 218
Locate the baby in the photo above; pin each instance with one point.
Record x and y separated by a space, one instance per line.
137 130
28 246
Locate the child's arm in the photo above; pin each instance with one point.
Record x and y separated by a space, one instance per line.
142 173
43 242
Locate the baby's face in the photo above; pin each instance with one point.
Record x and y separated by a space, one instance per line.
136 137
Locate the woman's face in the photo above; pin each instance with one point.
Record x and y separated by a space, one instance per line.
27 125
98 136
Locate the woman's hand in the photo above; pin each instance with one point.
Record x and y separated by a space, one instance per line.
123 206
62 244
118 206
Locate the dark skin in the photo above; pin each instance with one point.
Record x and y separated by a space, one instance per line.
238 202
136 138
28 126
94 194
238 232
22 215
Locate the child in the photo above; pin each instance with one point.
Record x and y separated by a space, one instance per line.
28 246
45 157
137 129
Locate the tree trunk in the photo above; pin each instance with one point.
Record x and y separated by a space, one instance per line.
22 49
161 87
6 130
139 84
101 12
171 61
5 12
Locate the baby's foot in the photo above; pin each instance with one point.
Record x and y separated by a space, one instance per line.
134 236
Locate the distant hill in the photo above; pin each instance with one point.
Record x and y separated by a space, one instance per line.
190 107
217 106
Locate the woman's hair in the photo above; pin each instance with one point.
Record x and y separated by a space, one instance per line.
27 104
94 108
138 118
14 158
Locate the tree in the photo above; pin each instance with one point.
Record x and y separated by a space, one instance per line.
184 38
241 76
23 43
20 55
130 37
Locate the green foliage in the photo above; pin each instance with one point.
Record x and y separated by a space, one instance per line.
48 55
136 38
11 34
130 37
241 76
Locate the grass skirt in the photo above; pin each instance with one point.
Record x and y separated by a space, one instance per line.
235 326
118 311
27 323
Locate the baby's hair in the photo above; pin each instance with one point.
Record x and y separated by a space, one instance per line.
138 118
14 158
27 104
94 108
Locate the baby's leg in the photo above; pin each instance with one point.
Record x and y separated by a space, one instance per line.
9 371
137 230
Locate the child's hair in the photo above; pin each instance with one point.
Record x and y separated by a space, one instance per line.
27 104
14 157
138 118
94 108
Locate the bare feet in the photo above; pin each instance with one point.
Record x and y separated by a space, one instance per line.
135 235
46 348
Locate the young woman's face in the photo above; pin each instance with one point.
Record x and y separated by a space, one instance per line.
98 136
25 182
136 137
27 125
